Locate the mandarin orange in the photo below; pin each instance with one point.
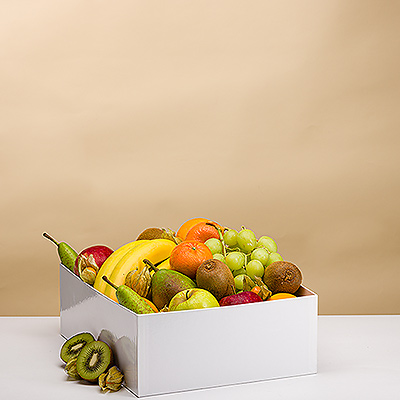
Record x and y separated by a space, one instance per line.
278 296
187 256
186 226
204 231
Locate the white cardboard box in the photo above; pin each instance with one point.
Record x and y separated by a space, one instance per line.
185 350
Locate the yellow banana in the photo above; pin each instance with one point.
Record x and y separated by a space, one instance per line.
109 265
154 250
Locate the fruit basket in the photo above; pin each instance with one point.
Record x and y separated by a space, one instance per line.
193 349
203 307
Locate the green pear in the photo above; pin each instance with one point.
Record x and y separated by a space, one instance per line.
165 284
128 298
66 253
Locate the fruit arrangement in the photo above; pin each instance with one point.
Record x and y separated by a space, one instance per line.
202 265
91 360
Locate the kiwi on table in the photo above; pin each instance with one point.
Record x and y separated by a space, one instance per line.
93 360
216 277
72 347
282 277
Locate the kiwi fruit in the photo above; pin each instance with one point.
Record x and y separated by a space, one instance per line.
158 233
216 277
72 347
150 234
93 360
282 277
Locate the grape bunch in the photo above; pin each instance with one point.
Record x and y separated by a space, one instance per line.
244 254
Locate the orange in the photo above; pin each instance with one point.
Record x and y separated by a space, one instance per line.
185 228
187 256
204 231
278 296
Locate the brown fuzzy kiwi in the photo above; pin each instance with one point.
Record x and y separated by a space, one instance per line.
215 276
282 277
150 234
158 233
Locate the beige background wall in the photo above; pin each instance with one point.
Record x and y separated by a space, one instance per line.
278 115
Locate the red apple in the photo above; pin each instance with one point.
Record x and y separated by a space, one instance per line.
93 256
240 298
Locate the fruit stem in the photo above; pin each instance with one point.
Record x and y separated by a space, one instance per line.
221 236
223 248
47 236
150 265
109 282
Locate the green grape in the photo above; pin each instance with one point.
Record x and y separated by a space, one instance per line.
239 271
214 245
246 240
219 256
268 243
230 238
254 268
235 260
261 254
239 281
274 257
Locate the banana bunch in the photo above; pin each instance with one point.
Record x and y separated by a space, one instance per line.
129 257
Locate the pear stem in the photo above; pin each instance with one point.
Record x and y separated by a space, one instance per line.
109 282
150 265
47 236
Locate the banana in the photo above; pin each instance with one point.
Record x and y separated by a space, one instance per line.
154 250
109 265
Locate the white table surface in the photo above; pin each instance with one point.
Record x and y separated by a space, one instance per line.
358 358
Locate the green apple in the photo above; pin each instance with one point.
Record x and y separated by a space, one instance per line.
191 299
